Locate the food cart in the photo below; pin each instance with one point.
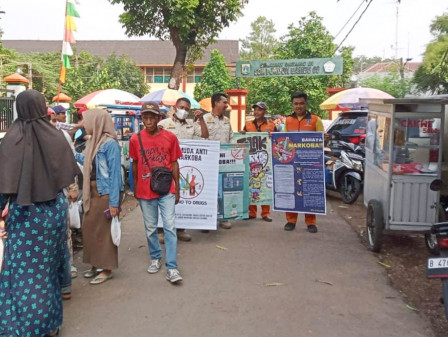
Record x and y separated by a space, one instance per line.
404 148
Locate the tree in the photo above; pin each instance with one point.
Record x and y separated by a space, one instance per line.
261 42
393 84
310 39
363 62
190 24
91 73
432 75
215 77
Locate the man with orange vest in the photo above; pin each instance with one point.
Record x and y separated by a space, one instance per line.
259 124
301 120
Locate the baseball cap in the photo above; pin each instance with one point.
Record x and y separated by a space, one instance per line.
261 105
150 107
59 109
50 111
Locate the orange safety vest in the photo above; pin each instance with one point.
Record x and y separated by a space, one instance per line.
307 123
264 127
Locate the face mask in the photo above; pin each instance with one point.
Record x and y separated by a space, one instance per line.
181 114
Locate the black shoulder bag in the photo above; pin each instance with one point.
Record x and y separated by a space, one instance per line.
161 177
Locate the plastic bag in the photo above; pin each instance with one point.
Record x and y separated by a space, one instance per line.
75 221
115 230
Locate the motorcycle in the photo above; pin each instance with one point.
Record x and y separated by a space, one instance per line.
438 266
345 174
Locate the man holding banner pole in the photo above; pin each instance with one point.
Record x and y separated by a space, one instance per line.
259 124
183 129
219 128
301 120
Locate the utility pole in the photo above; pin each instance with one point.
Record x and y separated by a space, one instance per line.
396 35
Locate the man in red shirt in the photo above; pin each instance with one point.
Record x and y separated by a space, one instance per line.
159 148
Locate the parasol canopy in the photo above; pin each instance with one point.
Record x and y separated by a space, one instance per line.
61 97
206 103
169 97
350 98
107 96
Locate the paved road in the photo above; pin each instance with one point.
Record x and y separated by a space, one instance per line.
224 292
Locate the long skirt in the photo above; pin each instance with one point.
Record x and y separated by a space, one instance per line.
33 268
99 250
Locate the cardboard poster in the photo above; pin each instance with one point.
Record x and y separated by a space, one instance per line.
198 182
260 166
233 188
299 177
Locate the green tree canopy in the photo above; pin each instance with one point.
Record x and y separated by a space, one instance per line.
261 42
309 39
190 24
88 73
392 83
432 75
215 77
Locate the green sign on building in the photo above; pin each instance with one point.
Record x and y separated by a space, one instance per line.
295 67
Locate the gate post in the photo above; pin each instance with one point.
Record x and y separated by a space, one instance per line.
16 83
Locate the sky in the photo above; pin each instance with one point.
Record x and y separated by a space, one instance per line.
374 35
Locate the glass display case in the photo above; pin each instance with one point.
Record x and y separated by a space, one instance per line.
404 150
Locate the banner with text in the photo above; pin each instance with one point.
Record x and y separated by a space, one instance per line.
298 165
293 67
198 184
260 166
233 182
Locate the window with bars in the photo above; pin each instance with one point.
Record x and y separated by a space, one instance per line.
163 75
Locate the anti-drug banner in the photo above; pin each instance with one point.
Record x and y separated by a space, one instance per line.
298 165
260 166
233 184
198 184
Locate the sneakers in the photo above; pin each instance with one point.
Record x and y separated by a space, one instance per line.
267 218
312 228
225 224
173 275
182 235
290 226
155 266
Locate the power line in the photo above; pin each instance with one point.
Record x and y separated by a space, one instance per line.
357 9
354 25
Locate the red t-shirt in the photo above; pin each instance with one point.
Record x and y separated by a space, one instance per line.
161 150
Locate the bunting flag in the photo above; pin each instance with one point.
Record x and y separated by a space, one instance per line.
69 37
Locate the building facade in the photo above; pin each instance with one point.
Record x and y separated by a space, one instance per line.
154 57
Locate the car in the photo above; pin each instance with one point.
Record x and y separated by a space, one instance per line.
349 126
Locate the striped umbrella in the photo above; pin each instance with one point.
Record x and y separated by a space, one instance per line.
350 98
169 97
107 96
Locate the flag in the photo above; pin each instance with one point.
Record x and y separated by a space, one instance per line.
69 37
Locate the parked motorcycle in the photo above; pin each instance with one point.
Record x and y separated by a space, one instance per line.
346 173
438 266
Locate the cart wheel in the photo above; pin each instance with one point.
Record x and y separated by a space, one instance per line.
375 225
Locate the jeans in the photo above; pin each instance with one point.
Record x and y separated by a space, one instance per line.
151 217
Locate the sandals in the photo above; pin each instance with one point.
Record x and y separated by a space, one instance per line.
100 279
91 272
74 272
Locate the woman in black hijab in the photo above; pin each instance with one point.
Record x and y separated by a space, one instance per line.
36 163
